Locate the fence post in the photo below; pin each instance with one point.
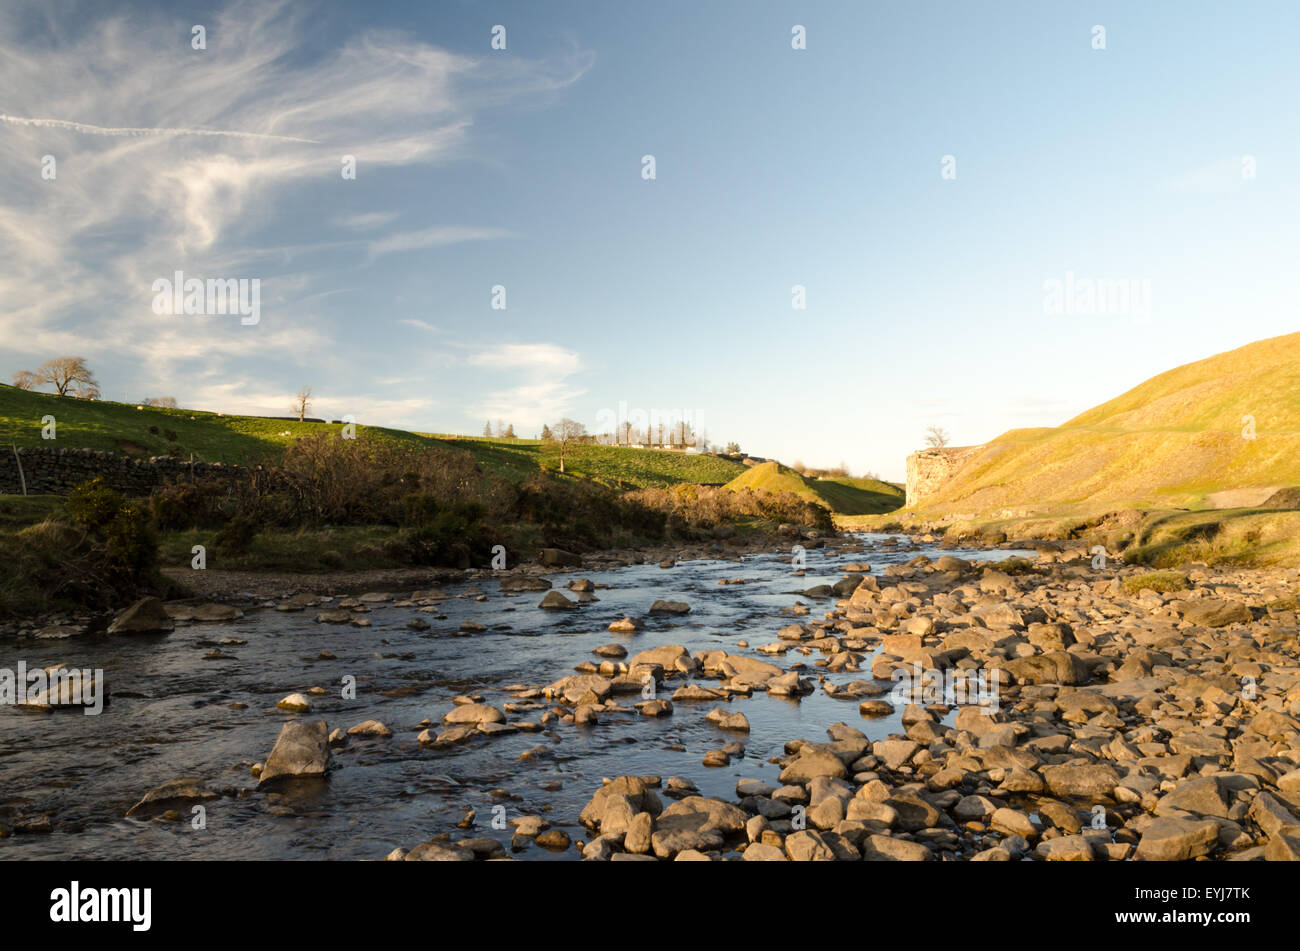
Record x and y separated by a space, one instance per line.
21 478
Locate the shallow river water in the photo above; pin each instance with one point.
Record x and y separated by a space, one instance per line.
171 715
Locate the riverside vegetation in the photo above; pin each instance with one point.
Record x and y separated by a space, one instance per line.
386 499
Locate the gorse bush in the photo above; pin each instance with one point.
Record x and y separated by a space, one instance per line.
235 537
442 508
447 534
94 504
447 509
702 507
121 528
102 553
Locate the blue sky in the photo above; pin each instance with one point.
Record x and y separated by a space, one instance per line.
775 167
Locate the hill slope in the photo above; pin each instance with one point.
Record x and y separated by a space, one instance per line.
1172 441
249 440
842 496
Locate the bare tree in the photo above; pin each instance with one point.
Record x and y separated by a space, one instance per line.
68 375
510 431
162 402
487 429
564 432
936 437
302 403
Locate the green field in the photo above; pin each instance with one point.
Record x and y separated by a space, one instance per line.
843 496
249 440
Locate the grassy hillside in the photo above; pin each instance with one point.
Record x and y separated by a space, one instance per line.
249 440
843 496
1171 442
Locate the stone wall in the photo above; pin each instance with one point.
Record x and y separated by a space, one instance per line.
57 471
929 469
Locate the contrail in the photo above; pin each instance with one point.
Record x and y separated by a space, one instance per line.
101 130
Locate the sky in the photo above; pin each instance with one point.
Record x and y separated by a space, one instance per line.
936 178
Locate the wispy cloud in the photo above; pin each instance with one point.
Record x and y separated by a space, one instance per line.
433 238
537 357
542 393
366 221
168 158
88 129
1224 175
419 324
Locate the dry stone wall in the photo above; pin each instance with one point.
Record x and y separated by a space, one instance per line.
48 470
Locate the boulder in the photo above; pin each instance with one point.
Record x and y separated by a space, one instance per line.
1176 840
146 616
615 804
695 823
1082 781
884 848
1054 667
302 749
438 852
1200 795
370 728
728 721
474 713
556 601
1213 612
808 765
171 795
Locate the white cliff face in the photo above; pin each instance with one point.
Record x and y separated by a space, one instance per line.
929 469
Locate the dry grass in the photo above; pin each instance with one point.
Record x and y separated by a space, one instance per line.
1169 443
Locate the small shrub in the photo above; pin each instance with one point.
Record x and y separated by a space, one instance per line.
177 507
236 537
1015 566
1162 582
94 504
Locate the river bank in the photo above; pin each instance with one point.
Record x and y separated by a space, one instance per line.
1129 723
248 588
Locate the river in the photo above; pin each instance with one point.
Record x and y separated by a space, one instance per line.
173 714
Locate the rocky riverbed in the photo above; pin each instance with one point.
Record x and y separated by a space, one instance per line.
687 709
